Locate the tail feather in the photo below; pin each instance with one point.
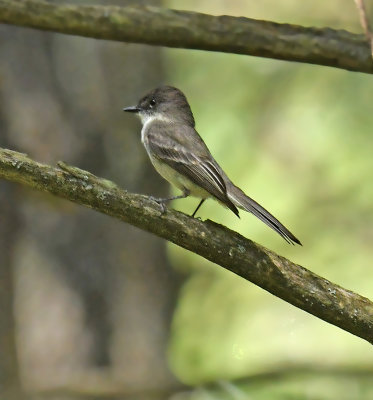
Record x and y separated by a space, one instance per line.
239 198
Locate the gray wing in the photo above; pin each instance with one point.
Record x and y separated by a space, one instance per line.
189 156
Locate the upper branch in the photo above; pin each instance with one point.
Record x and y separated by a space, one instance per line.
184 29
216 243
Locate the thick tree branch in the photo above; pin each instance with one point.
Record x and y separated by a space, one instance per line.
216 243
183 29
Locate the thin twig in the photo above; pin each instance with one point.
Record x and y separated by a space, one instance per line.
364 21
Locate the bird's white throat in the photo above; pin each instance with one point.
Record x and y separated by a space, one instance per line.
146 119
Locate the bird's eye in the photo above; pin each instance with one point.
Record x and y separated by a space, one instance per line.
152 102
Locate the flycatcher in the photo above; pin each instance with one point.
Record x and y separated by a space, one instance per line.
180 156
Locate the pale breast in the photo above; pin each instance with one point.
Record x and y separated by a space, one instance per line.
168 173
177 179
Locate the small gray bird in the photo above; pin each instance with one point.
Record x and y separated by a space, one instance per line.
180 155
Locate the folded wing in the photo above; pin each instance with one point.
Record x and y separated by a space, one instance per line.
197 168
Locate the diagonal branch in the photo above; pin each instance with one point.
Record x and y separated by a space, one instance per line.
277 275
184 29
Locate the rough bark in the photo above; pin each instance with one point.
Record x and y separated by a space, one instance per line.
183 29
10 386
277 275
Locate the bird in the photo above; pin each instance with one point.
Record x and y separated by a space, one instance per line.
180 156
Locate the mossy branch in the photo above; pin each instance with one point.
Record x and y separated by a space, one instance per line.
274 273
190 30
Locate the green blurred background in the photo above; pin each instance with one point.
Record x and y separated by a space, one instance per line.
298 139
101 303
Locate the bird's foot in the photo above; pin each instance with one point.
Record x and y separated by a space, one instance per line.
161 202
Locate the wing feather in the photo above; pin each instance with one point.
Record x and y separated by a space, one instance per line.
198 169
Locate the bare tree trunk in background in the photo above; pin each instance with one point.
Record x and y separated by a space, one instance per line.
91 292
9 228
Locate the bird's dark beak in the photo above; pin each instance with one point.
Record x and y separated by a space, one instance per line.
133 109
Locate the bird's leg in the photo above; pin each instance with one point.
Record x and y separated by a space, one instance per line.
163 202
199 205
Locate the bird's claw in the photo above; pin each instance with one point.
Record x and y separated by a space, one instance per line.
161 203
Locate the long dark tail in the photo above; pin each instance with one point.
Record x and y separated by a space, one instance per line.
239 198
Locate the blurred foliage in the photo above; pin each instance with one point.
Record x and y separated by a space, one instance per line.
298 139
295 137
289 385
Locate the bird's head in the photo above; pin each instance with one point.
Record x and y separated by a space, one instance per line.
164 103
